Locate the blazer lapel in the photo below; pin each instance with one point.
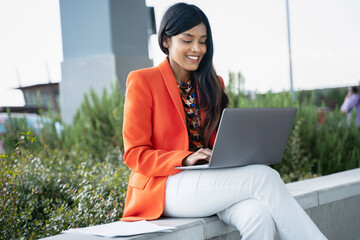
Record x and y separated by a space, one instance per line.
171 85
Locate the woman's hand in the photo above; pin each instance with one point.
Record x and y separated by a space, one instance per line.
201 156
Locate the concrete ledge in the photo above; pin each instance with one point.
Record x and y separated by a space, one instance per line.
332 201
318 191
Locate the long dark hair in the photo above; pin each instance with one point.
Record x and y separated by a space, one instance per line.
178 19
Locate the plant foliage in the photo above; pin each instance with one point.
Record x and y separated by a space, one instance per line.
316 147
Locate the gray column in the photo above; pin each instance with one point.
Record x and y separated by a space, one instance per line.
103 40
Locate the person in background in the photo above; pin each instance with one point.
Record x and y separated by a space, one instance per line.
171 115
351 102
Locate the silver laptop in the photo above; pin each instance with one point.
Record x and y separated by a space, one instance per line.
250 136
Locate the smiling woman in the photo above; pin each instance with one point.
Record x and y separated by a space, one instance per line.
171 115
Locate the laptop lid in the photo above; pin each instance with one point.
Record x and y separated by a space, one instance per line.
250 136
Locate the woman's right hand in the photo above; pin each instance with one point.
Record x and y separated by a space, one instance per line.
200 156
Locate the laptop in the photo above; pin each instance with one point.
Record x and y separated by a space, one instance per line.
250 136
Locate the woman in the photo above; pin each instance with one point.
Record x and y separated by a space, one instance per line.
170 119
351 102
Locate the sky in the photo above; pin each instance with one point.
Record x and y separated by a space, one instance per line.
250 36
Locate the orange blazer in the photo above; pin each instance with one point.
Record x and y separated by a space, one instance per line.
155 139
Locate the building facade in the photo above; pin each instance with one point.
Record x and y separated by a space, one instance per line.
103 40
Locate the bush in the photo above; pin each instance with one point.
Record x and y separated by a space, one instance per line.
97 125
73 179
297 164
323 148
55 190
97 192
12 218
14 127
337 144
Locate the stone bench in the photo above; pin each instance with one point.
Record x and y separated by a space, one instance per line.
332 201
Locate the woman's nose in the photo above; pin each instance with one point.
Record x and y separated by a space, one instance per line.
195 47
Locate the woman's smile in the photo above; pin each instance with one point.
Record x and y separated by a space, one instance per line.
193 58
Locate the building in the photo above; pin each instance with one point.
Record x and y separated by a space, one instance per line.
102 42
38 97
42 96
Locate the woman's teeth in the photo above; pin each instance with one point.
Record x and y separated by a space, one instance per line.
193 58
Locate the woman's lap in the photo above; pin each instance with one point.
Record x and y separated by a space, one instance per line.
200 193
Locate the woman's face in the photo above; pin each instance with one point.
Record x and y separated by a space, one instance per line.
187 49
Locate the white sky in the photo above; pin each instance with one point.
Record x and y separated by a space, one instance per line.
249 36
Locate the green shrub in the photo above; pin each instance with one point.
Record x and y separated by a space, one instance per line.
97 125
325 148
74 179
330 97
297 164
14 127
13 218
337 144
54 190
50 135
97 199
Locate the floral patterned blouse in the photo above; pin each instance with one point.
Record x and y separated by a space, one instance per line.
192 113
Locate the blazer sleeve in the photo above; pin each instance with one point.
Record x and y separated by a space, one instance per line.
137 132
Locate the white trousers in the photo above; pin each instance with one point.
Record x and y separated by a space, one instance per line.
254 199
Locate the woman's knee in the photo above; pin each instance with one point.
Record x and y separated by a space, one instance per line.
263 172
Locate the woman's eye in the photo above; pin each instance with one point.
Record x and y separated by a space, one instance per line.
186 41
203 42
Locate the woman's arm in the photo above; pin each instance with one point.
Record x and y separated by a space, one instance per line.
140 154
350 103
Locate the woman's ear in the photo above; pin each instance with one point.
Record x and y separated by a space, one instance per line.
166 42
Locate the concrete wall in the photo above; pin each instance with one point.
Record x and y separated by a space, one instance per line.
339 219
103 40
